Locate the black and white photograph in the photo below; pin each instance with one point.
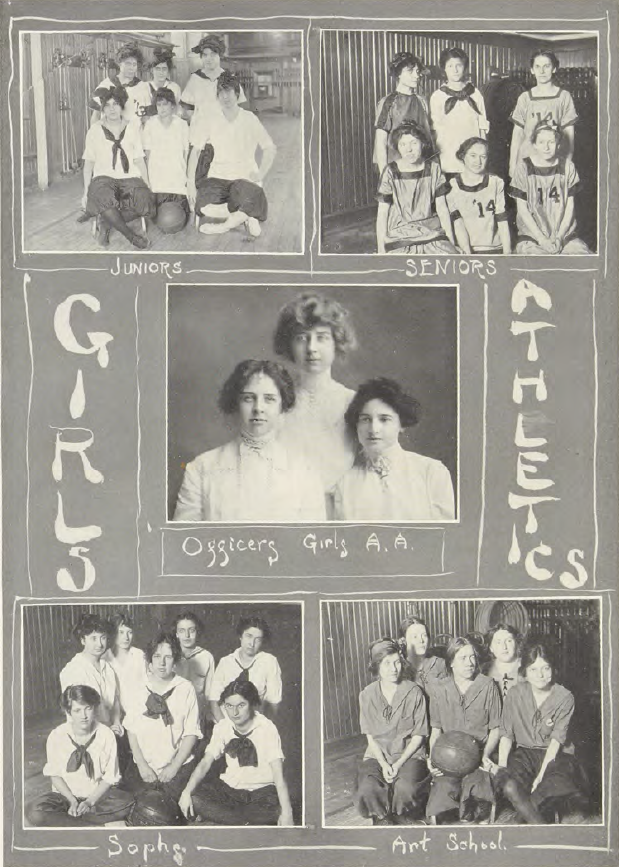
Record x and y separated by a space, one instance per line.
172 141
461 712
459 143
312 403
162 714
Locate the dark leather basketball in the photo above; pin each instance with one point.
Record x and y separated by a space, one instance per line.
171 217
456 754
155 807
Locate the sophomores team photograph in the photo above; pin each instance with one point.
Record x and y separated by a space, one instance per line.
162 714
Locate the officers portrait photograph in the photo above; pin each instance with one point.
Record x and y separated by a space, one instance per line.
312 404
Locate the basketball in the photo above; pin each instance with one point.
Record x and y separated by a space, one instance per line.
155 807
456 754
171 217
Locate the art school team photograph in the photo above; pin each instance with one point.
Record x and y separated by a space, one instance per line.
166 733
183 141
480 144
494 719
293 443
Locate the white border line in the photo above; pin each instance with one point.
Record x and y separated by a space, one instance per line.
484 436
300 603
377 598
596 405
609 56
26 282
138 476
609 696
529 34
275 287
287 848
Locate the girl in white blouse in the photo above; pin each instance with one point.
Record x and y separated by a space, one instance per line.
116 185
387 482
313 331
254 477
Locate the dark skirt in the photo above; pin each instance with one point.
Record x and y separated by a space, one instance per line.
406 794
452 793
51 810
218 803
559 778
130 196
239 195
134 782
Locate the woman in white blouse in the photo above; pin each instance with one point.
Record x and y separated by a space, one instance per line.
254 477
386 482
116 185
313 331
128 662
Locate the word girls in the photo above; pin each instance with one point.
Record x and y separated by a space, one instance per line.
530 389
77 440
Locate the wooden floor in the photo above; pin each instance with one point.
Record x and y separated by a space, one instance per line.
50 215
341 760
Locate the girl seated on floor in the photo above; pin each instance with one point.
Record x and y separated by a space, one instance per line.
163 723
535 748
252 790
83 766
116 184
393 778
476 202
465 701
544 185
234 186
412 212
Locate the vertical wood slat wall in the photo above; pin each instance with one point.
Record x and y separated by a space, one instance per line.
47 645
347 630
67 91
355 76
570 628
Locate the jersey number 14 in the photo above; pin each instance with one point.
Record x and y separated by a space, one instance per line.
553 194
490 207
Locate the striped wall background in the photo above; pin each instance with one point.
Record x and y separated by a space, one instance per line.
355 76
571 627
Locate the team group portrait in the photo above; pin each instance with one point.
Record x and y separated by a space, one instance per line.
464 143
285 406
462 712
162 714
176 141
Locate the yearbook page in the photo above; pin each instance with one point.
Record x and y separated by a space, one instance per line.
309 454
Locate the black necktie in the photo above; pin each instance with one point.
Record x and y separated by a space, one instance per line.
117 148
80 756
456 96
156 705
242 749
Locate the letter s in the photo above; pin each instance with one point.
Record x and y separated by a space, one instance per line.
570 581
113 838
